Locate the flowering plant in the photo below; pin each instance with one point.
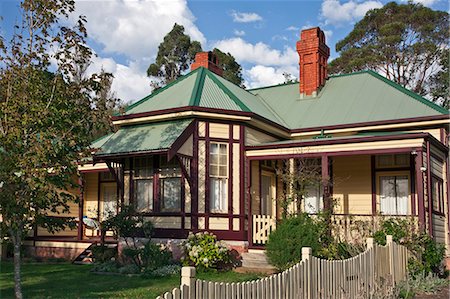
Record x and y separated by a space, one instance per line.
202 250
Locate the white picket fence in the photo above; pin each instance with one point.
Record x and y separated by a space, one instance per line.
357 277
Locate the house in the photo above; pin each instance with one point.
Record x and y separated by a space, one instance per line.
202 154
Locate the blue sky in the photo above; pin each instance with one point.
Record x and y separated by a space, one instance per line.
125 34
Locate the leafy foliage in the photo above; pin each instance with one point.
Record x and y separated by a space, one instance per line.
421 284
404 42
232 71
203 251
284 246
427 254
175 54
139 251
46 118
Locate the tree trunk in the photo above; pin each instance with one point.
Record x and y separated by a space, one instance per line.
17 240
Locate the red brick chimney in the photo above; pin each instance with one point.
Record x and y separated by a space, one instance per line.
313 54
207 60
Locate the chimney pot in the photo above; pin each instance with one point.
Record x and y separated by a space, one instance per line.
313 54
207 60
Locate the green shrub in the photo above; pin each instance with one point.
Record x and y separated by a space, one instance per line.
129 269
203 251
102 253
284 246
164 271
421 284
427 255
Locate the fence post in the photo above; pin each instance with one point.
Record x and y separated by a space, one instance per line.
306 259
369 243
188 279
389 243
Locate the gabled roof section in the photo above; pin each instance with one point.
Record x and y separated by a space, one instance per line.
203 88
143 138
347 99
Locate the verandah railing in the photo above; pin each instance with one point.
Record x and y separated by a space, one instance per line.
358 276
263 225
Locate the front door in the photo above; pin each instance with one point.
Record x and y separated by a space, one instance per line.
268 203
108 198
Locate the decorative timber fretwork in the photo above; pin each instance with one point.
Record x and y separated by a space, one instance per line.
185 163
116 169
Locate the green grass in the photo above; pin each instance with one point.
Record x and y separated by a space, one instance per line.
64 280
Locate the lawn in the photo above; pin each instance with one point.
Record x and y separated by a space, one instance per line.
63 280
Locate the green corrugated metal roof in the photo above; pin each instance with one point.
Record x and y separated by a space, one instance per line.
144 138
345 99
100 141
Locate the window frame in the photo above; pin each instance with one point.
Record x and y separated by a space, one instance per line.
218 176
379 195
440 193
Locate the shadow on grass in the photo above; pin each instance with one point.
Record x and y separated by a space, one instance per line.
75 281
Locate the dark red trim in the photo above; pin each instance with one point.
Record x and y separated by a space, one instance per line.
260 185
230 177
156 188
129 154
248 164
447 195
95 170
180 109
217 139
331 141
242 182
336 154
374 184
429 200
372 123
194 176
178 143
440 211
207 181
131 178
201 109
99 192
412 183
419 183
70 239
80 209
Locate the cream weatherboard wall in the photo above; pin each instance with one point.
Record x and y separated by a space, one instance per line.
352 184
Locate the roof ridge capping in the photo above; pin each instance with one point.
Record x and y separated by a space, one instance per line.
397 86
156 92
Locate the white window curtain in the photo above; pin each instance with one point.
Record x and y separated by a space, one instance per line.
218 195
144 195
313 200
171 194
394 195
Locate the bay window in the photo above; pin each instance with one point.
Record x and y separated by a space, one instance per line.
218 177
170 185
143 184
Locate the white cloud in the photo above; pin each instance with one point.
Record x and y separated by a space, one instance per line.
239 32
245 17
292 28
336 13
259 53
135 28
259 75
130 82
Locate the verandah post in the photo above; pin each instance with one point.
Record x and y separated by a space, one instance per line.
188 279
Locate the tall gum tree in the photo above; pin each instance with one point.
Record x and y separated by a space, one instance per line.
46 119
403 42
